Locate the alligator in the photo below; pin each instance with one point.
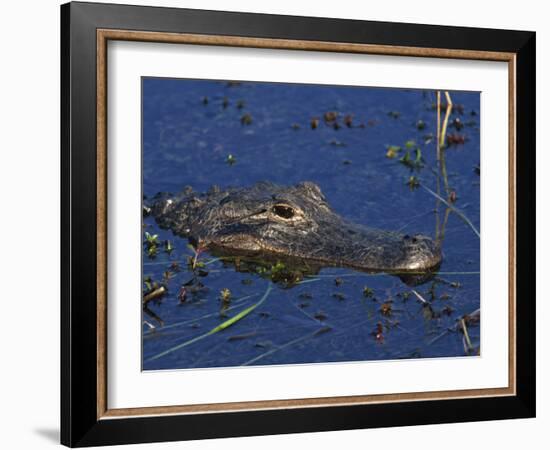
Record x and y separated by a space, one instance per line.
289 222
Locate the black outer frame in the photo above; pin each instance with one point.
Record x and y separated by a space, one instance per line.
79 423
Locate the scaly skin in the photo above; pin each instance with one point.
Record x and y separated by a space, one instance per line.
293 222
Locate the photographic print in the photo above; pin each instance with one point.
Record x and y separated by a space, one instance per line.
296 198
300 223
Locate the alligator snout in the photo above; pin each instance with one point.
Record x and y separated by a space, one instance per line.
421 253
371 249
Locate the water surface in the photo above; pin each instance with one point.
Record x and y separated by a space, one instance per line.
190 127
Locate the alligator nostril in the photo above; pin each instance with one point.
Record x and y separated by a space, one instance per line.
414 240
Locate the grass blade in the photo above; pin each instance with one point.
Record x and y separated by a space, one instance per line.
222 326
236 304
452 208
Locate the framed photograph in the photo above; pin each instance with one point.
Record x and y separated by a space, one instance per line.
276 224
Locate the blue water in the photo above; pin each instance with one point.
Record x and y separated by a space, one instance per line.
187 141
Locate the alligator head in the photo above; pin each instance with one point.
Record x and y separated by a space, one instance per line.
292 222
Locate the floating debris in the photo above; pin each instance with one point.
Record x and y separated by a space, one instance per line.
428 138
151 239
240 337
457 123
152 252
295 126
155 294
337 143
225 103
394 114
182 295
348 120
230 159
413 183
225 295
428 313
386 308
314 123
246 119
330 116
151 244
472 318
166 276
320 316
148 281
404 295
420 124
205 101
413 164
168 246
392 151
240 104
378 333
368 292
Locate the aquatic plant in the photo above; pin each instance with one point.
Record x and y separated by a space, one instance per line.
412 162
246 119
368 292
420 124
413 183
392 151
225 295
168 246
230 159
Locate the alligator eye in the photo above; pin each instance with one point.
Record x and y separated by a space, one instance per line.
284 211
